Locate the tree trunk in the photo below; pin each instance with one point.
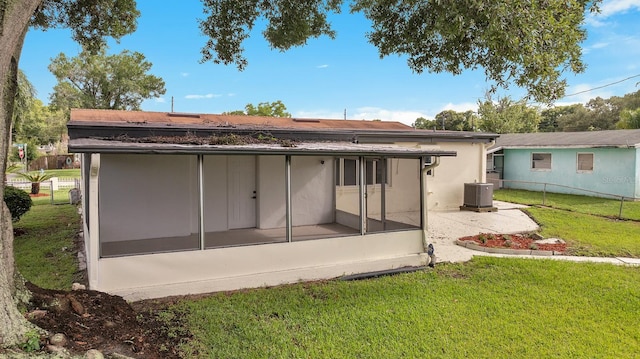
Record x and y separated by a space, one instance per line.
14 22
35 187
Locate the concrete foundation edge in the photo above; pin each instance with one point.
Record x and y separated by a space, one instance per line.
268 279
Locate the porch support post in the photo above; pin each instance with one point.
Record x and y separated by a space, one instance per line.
93 247
201 200
363 194
383 194
287 191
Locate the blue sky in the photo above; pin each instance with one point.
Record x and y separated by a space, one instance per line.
327 77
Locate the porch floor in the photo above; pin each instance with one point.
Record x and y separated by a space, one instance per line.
234 237
241 237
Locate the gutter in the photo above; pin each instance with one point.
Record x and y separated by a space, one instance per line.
428 247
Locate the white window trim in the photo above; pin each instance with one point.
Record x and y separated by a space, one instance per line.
375 185
593 158
541 169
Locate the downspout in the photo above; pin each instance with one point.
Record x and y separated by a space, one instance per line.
428 248
483 161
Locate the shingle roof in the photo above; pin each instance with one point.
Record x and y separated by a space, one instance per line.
213 120
589 139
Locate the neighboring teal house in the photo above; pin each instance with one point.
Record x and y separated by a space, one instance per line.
604 162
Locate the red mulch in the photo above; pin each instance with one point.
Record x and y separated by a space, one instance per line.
513 241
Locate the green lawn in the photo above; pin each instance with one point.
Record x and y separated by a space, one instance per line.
45 253
65 173
590 235
486 308
583 204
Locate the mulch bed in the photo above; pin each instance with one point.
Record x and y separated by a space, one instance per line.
513 241
96 320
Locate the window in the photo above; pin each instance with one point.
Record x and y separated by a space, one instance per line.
347 172
540 161
585 162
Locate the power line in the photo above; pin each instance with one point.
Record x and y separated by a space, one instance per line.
603 86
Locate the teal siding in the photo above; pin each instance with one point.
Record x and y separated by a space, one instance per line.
615 170
637 177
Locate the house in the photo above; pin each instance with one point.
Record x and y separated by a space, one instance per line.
178 203
600 162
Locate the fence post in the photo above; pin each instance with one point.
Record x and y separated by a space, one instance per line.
544 194
621 203
51 190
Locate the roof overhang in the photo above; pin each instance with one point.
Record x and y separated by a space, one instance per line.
79 130
343 149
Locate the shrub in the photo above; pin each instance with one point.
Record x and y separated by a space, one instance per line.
18 202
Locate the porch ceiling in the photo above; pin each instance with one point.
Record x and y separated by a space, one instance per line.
86 145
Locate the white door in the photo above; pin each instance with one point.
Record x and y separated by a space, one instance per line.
241 186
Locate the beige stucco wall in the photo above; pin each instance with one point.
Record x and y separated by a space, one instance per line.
445 188
158 275
147 196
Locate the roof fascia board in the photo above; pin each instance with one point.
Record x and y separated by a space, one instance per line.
136 148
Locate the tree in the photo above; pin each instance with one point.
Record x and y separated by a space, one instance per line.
629 119
529 42
98 80
507 116
40 124
269 109
424 124
90 22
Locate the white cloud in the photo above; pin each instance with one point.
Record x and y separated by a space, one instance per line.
459 107
184 74
160 100
613 7
322 66
199 97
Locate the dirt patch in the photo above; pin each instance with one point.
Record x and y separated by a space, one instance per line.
514 241
96 320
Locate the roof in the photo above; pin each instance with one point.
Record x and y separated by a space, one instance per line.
136 131
140 118
587 139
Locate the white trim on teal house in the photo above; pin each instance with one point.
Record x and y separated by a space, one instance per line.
606 162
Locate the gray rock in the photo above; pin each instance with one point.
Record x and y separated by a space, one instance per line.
58 339
93 354
78 286
550 241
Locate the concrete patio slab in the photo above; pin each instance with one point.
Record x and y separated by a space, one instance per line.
445 227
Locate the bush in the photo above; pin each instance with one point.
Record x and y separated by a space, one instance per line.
18 202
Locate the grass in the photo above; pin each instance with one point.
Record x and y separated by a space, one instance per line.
486 308
582 204
45 253
65 173
590 235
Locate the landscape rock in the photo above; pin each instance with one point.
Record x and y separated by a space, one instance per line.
78 286
36 314
76 306
93 354
58 339
550 241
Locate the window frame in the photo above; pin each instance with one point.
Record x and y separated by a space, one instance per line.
340 175
532 161
578 170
